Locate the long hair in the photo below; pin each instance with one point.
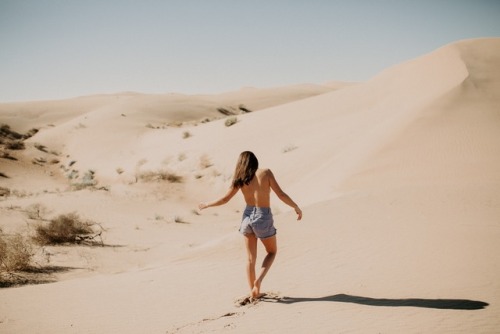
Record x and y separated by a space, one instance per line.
245 169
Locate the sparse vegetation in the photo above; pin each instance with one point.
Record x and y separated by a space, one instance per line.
4 192
289 148
186 134
179 220
20 254
30 133
159 175
231 121
16 253
41 147
39 161
65 228
119 170
13 140
205 162
8 133
87 181
243 108
6 155
36 211
226 111
15 145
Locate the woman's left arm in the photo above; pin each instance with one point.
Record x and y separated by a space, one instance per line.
223 200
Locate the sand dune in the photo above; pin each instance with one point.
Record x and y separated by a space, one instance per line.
398 179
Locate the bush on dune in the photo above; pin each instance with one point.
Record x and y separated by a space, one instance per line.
159 175
65 228
16 253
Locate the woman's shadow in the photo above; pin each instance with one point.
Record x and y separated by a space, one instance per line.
447 304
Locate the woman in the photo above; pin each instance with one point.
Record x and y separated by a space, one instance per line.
257 221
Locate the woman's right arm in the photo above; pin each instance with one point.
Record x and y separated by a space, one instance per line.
282 195
223 200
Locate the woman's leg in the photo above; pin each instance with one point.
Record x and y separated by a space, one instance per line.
271 248
251 246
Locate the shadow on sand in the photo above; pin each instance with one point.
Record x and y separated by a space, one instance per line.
32 275
447 304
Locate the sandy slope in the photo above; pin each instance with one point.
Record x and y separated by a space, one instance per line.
398 178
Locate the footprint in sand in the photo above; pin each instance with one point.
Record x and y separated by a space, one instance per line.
249 300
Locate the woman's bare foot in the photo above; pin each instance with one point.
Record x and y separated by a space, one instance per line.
256 294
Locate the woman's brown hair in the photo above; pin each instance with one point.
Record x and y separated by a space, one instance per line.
245 169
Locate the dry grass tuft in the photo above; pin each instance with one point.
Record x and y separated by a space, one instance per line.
36 211
231 121
65 228
4 192
180 220
205 162
41 147
158 176
15 145
87 181
16 253
227 111
13 140
6 155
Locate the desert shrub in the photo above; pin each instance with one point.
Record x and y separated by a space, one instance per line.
4 192
88 178
65 228
86 181
16 253
159 175
179 220
205 162
41 147
6 132
186 134
30 133
39 161
226 111
244 109
15 145
6 155
231 121
36 211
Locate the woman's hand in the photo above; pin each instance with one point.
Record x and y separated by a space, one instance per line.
202 206
298 212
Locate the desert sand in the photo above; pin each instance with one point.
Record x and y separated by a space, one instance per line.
398 178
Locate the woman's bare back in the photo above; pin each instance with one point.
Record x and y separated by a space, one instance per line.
257 192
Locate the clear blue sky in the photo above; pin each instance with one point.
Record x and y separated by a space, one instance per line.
57 49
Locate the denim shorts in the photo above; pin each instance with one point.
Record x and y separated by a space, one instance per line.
258 221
